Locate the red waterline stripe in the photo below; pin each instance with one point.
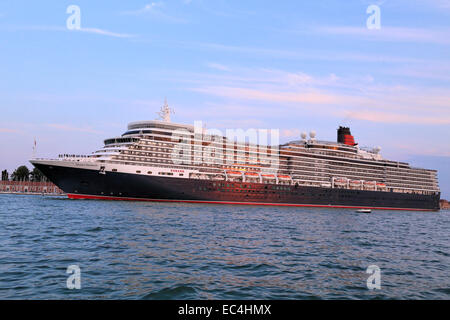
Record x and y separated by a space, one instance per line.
80 196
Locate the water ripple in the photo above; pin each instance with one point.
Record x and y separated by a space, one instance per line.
134 250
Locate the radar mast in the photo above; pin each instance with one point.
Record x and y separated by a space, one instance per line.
165 111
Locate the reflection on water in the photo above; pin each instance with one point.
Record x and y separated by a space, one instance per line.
187 251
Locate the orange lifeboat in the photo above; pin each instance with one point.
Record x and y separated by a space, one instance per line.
234 173
268 176
340 181
251 175
381 185
369 184
354 183
284 177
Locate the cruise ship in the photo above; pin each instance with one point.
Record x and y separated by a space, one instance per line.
163 161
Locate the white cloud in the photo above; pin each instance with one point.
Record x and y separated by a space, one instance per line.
440 4
290 133
155 10
98 31
65 127
440 71
360 98
387 33
397 118
151 7
217 66
6 130
106 33
297 55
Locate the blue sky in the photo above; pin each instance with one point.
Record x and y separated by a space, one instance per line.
292 65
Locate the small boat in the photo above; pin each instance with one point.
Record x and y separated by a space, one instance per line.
284 177
364 210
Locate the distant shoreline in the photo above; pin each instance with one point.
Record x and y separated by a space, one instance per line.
29 187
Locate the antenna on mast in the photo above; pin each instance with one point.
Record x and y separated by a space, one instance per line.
34 148
165 111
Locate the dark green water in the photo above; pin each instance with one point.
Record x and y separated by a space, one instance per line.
136 250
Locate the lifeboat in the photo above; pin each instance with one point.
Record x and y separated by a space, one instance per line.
340 181
284 178
369 184
234 173
381 185
268 176
354 184
251 175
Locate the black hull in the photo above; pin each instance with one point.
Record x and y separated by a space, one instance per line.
85 183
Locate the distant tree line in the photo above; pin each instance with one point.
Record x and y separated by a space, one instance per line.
22 173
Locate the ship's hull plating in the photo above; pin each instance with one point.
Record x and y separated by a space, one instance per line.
81 183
